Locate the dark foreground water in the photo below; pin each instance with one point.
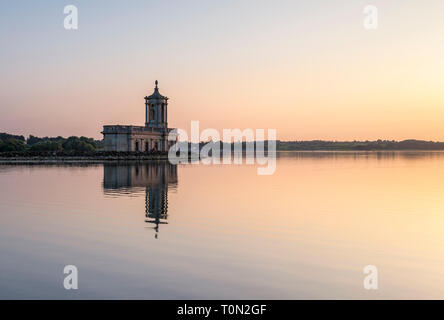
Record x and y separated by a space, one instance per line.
221 231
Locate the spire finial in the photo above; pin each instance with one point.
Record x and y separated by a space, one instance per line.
156 83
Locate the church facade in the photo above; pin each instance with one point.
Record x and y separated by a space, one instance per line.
151 137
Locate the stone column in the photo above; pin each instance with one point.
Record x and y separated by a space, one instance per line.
146 111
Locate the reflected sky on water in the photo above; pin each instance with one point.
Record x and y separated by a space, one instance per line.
154 230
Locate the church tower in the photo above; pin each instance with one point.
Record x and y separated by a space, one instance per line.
154 136
156 110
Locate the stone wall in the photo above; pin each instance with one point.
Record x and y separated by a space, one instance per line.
135 138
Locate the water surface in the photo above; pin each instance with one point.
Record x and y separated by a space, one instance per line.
157 231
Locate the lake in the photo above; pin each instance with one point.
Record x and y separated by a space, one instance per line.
195 231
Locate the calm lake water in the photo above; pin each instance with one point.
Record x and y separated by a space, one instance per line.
157 231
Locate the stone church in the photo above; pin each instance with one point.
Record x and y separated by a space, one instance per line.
151 137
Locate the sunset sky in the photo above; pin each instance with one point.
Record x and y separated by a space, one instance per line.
306 68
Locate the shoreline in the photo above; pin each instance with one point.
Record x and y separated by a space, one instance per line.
125 158
81 159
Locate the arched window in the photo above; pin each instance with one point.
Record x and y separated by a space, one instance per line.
152 114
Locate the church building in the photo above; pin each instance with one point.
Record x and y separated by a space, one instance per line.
151 137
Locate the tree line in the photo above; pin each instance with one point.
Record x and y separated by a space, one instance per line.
76 145
410 144
15 143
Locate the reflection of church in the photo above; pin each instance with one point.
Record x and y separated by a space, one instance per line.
155 178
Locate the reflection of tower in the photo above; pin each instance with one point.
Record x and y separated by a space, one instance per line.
156 195
156 206
155 177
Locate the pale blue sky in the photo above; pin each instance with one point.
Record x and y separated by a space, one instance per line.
307 68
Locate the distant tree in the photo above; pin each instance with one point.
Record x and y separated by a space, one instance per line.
46 146
82 144
12 145
6 136
32 140
99 144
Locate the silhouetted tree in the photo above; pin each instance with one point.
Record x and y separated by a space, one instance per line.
12 145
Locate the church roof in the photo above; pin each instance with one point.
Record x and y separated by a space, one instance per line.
156 94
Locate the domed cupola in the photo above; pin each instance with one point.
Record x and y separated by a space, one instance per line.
156 106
